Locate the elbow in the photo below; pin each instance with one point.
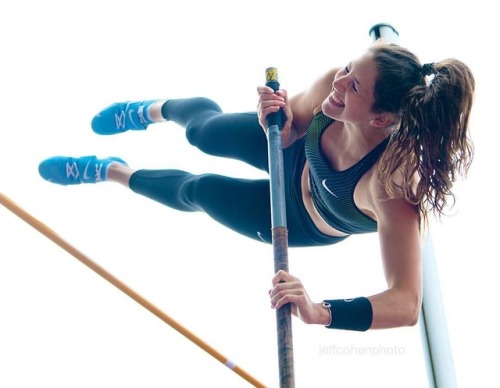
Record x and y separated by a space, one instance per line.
406 310
411 310
398 308
405 315
412 319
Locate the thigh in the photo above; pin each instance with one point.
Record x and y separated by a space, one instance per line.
232 135
242 205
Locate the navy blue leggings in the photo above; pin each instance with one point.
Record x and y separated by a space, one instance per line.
243 205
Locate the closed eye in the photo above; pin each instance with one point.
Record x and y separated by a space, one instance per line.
353 84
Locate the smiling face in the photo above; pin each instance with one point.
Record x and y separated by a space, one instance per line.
352 96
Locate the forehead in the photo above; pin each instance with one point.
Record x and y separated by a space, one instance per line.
365 70
365 65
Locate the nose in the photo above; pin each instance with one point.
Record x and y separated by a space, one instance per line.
339 83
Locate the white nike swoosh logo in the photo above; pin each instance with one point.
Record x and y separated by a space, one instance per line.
85 175
323 182
260 236
130 116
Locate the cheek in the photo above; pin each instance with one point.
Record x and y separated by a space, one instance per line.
357 106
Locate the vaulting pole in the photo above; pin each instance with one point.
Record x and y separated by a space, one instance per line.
279 234
435 339
51 235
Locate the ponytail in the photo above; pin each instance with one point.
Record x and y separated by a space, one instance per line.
431 143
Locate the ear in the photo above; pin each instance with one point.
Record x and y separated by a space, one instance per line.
382 120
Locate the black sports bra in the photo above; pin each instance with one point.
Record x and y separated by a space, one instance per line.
333 191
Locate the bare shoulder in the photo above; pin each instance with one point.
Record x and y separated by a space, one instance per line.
308 103
321 88
386 208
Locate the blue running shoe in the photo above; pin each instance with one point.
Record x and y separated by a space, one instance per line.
122 116
65 170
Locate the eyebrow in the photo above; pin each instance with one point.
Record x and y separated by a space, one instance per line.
354 78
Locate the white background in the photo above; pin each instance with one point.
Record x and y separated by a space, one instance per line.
61 325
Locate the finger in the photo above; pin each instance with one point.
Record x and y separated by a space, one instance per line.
287 285
283 276
274 104
281 287
263 113
293 296
264 90
283 290
282 93
269 105
279 277
271 97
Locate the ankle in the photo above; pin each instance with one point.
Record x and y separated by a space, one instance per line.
155 111
119 172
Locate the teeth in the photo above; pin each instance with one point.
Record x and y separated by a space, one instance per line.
337 100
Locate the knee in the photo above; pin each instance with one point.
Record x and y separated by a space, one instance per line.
196 128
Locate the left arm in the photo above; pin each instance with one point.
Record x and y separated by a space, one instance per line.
399 305
400 245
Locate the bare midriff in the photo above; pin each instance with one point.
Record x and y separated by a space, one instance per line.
316 218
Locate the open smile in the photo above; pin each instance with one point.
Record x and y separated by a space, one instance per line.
336 101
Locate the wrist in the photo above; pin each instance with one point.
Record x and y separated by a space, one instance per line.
325 314
350 314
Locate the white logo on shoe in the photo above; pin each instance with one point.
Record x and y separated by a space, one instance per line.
323 182
72 170
140 113
85 175
131 118
98 168
120 120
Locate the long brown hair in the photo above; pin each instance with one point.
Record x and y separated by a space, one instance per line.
431 143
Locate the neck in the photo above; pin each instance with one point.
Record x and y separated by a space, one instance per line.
361 139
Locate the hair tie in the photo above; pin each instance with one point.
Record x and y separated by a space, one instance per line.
428 69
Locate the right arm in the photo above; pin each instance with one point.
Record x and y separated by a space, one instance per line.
299 109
